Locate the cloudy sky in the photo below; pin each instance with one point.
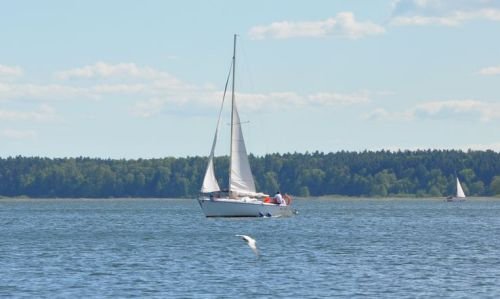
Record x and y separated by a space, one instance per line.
142 79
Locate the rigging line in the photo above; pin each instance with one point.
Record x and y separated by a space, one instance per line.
225 91
221 108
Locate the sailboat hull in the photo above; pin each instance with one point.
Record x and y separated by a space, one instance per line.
236 208
452 199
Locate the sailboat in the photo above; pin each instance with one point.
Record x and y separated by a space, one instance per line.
459 196
240 199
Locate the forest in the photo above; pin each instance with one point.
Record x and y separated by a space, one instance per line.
368 174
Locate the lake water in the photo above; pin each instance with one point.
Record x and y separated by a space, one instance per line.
166 248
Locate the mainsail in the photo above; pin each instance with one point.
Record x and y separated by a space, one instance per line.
240 179
460 191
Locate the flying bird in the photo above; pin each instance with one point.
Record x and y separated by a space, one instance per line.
251 242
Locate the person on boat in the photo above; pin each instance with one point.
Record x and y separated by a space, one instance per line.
278 199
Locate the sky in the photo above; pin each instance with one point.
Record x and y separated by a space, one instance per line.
144 79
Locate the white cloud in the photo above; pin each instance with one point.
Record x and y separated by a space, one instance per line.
383 114
118 89
17 134
10 71
332 99
457 109
443 12
252 101
148 108
10 91
43 113
490 71
159 90
455 18
343 24
285 100
435 7
269 101
171 92
485 110
133 80
107 70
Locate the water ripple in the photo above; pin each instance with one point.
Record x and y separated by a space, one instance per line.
154 248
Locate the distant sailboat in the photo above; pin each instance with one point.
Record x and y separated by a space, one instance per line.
459 196
241 198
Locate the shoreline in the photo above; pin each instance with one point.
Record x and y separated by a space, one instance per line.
322 197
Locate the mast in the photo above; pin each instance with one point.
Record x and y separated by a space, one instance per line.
232 114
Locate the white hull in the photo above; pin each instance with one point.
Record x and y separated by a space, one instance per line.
225 207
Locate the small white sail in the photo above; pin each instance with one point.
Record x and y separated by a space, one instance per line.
240 179
210 182
460 191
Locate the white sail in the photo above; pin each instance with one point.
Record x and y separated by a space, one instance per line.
210 182
460 191
240 179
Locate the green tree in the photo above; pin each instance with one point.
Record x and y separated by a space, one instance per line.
378 190
366 173
495 186
270 182
304 191
477 188
435 191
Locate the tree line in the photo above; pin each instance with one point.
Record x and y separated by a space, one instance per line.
367 173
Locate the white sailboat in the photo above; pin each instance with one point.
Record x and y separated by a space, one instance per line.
459 196
241 198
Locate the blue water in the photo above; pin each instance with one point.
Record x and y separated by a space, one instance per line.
165 248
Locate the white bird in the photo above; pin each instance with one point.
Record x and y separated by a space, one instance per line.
251 242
